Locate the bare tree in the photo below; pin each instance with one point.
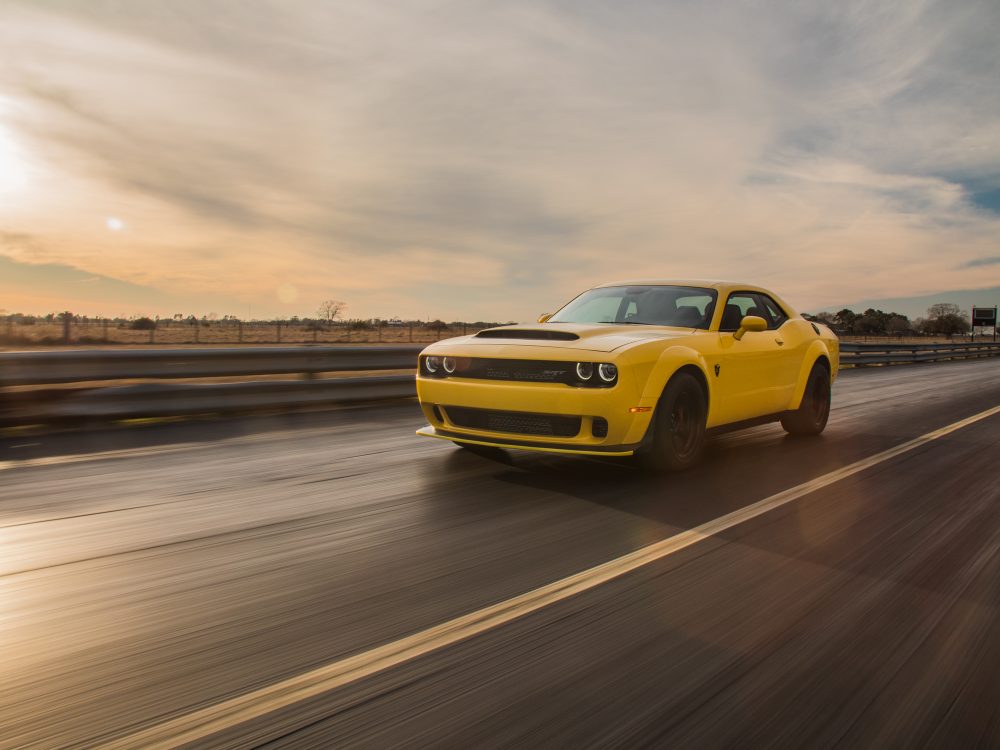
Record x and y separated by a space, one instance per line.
945 319
330 310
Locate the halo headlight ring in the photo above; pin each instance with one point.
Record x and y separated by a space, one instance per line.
607 372
449 364
432 364
585 370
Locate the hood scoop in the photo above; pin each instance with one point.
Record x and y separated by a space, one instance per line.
526 333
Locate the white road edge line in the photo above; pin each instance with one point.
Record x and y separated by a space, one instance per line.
204 722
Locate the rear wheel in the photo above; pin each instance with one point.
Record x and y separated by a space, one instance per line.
678 426
814 411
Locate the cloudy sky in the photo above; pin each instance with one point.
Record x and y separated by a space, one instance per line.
471 160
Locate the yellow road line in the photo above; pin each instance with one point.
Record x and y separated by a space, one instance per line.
207 721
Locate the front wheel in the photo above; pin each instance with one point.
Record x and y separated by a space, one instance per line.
678 426
814 411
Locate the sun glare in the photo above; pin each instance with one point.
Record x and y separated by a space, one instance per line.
115 224
13 168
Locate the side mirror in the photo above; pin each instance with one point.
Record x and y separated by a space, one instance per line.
543 317
750 324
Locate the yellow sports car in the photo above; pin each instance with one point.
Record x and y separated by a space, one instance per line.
645 368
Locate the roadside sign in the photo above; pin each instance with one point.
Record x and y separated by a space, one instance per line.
984 316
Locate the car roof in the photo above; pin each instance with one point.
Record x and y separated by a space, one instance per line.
722 287
704 283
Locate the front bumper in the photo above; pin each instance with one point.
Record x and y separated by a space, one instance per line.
625 430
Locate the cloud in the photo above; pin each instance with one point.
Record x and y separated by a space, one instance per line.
483 160
977 262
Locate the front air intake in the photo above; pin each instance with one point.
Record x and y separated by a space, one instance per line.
523 423
526 333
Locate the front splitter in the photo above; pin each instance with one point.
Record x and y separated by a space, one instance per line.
527 445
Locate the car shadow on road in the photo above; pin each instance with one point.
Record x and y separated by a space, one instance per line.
735 471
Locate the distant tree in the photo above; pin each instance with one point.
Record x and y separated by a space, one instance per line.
941 309
437 325
844 320
945 319
898 325
330 310
869 323
142 324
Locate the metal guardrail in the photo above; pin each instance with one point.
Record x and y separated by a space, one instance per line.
861 355
97 397
100 393
45 368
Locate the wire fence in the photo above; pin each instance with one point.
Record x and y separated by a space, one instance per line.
224 332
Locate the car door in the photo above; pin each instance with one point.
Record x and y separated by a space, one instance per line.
753 378
793 338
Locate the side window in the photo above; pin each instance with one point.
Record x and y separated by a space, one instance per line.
776 316
739 305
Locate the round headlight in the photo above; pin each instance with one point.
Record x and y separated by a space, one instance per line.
584 370
608 372
433 364
449 364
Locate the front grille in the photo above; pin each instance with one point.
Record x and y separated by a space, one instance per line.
521 423
525 370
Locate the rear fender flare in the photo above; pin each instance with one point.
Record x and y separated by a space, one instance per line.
816 351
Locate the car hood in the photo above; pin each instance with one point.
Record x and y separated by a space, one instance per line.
574 336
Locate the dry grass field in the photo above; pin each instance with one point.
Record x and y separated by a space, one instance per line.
217 333
99 334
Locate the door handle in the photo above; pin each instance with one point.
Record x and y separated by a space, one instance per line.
779 342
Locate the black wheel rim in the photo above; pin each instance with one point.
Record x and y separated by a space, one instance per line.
820 399
684 423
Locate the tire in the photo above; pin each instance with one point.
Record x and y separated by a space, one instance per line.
678 426
814 411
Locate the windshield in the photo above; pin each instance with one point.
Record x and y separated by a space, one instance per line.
678 306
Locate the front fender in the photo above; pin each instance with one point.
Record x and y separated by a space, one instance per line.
669 362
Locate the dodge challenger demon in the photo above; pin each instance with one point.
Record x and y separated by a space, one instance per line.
645 368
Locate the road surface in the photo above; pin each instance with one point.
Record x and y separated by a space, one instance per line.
179 583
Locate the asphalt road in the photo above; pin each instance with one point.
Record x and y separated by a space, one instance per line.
208 560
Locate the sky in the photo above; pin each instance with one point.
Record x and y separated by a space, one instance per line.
479 160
